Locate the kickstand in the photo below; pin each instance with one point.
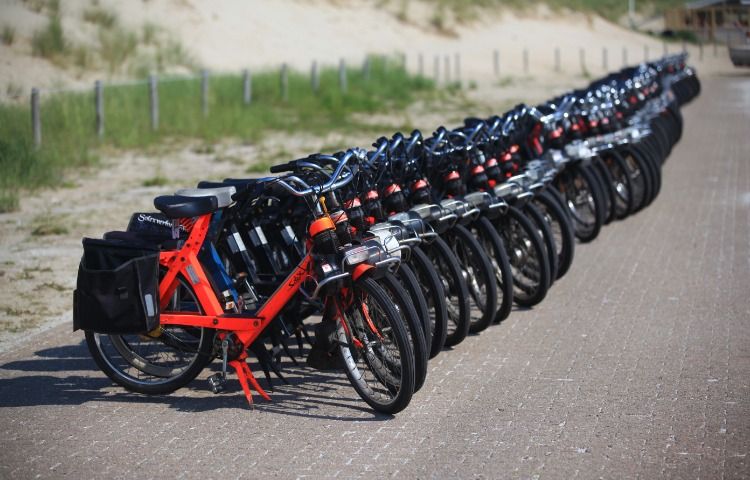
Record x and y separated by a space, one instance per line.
245 375
264 361
288 352
300 345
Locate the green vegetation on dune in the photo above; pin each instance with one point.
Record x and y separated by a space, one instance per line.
467 10
68 120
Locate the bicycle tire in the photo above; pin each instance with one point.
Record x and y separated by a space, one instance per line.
455 290
606 184
490 240
527 256
414 327
583 201
434 294
639 178
392 384
562 229
166 379
623 189
545 233
479 274
409 281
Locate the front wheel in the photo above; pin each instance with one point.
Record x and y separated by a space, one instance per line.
378 359
404 305
434 295
478 273
491 242
455 289
621 183
584 201
559 223
527 255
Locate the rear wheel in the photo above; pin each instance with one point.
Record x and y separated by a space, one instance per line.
378 359
161 361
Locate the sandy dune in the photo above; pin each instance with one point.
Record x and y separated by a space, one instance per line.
230 35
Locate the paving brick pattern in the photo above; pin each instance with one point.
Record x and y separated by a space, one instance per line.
636 365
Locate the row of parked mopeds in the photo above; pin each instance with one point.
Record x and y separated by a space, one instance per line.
373 262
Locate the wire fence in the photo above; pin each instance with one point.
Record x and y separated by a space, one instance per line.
447 70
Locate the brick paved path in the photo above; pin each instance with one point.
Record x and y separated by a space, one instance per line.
636 365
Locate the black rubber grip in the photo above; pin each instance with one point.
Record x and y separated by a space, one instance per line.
284 167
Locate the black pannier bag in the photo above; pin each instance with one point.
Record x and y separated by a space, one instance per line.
118 288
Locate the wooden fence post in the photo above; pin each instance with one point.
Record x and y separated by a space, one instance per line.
496 62
204 92
99 108
154 101
36 119
247 87
582 59
284 79
366 69
314 77
436 66
605 54
525 60
557 59
457 67
447 69
420 61
342 76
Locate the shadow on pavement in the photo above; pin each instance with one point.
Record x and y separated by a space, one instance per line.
308 393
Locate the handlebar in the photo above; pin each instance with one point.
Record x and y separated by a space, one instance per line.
337 180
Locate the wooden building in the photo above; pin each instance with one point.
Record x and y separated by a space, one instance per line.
721 20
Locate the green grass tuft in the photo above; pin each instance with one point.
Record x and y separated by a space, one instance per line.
47 224
470 10
49 41
100 16
116 46
8 35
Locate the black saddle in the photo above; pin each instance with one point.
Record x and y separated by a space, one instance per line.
177 206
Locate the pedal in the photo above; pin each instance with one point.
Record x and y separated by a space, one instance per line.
217 382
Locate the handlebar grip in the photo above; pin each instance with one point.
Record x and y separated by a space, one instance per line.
284 167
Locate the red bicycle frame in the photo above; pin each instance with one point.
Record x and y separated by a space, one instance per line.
184 262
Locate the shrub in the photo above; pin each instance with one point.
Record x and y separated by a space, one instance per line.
101 17
8 35
49 41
